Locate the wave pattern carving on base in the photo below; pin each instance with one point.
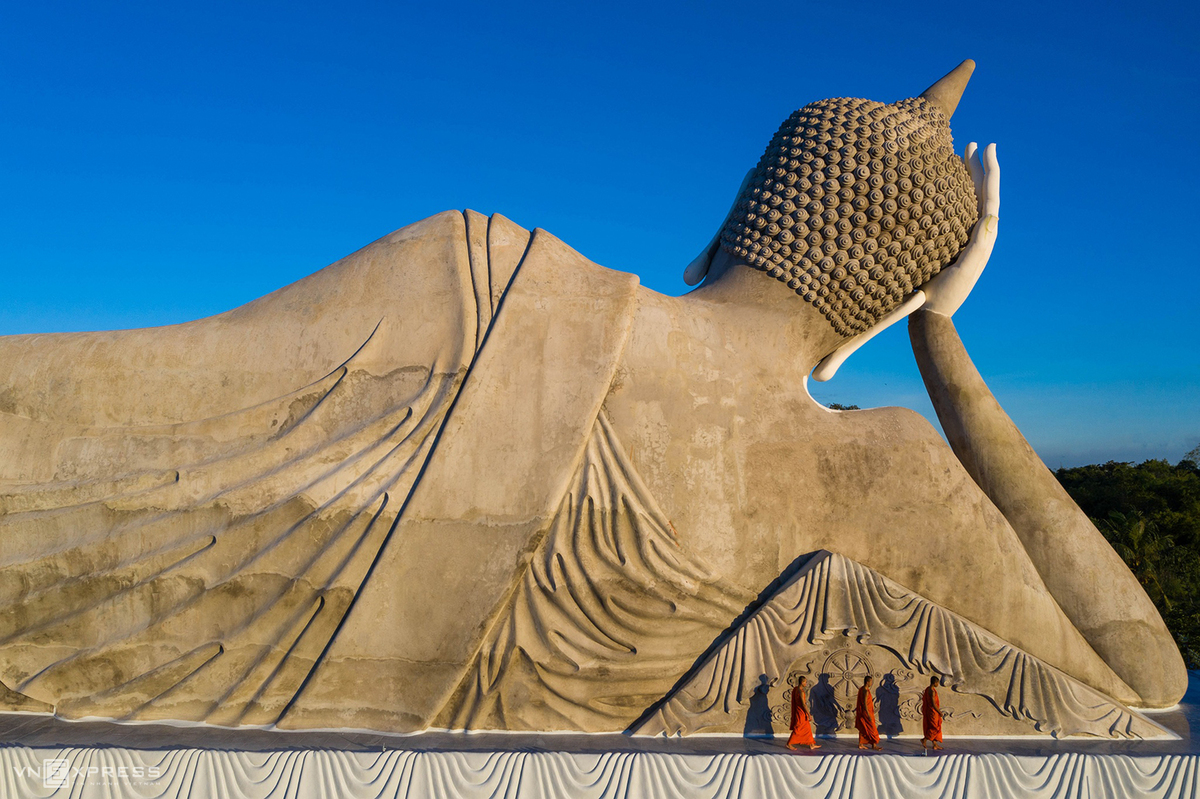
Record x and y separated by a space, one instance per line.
107 773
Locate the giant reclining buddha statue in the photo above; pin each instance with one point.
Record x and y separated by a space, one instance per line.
464 478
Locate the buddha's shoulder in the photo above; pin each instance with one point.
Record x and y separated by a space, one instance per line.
504 248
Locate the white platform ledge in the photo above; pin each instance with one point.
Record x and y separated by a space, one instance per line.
200 774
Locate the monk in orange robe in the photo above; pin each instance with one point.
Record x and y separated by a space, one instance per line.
802 732
931 716
864 718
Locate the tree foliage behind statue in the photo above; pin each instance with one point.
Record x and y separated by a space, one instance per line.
1150 513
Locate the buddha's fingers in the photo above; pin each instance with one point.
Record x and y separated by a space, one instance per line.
991 171
975 170
948 289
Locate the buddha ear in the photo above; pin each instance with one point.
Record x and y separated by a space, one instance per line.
694 272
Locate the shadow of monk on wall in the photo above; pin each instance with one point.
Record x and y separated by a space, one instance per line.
887 699
465 478
759 716
828 713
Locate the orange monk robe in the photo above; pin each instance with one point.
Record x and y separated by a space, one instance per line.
802 732
931 715
864 719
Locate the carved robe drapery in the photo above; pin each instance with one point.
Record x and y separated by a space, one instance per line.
212 543
181 539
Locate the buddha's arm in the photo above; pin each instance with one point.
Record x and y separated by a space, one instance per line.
1087 578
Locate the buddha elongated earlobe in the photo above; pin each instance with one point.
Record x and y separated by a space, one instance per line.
697 270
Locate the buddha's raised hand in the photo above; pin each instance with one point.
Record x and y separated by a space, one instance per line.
947 290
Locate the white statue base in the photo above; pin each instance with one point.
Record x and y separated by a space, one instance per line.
44 757
106 773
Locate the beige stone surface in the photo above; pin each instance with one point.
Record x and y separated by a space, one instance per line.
535 509
488 493
752 472
465 478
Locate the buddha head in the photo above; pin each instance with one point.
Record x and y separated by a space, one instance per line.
856 203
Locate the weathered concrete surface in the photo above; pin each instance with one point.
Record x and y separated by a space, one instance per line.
513 440
190 510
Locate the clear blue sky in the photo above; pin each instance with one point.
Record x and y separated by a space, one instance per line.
167 161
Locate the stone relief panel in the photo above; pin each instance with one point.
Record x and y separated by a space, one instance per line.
834 677
836 622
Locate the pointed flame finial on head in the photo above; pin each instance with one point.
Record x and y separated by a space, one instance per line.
946 93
